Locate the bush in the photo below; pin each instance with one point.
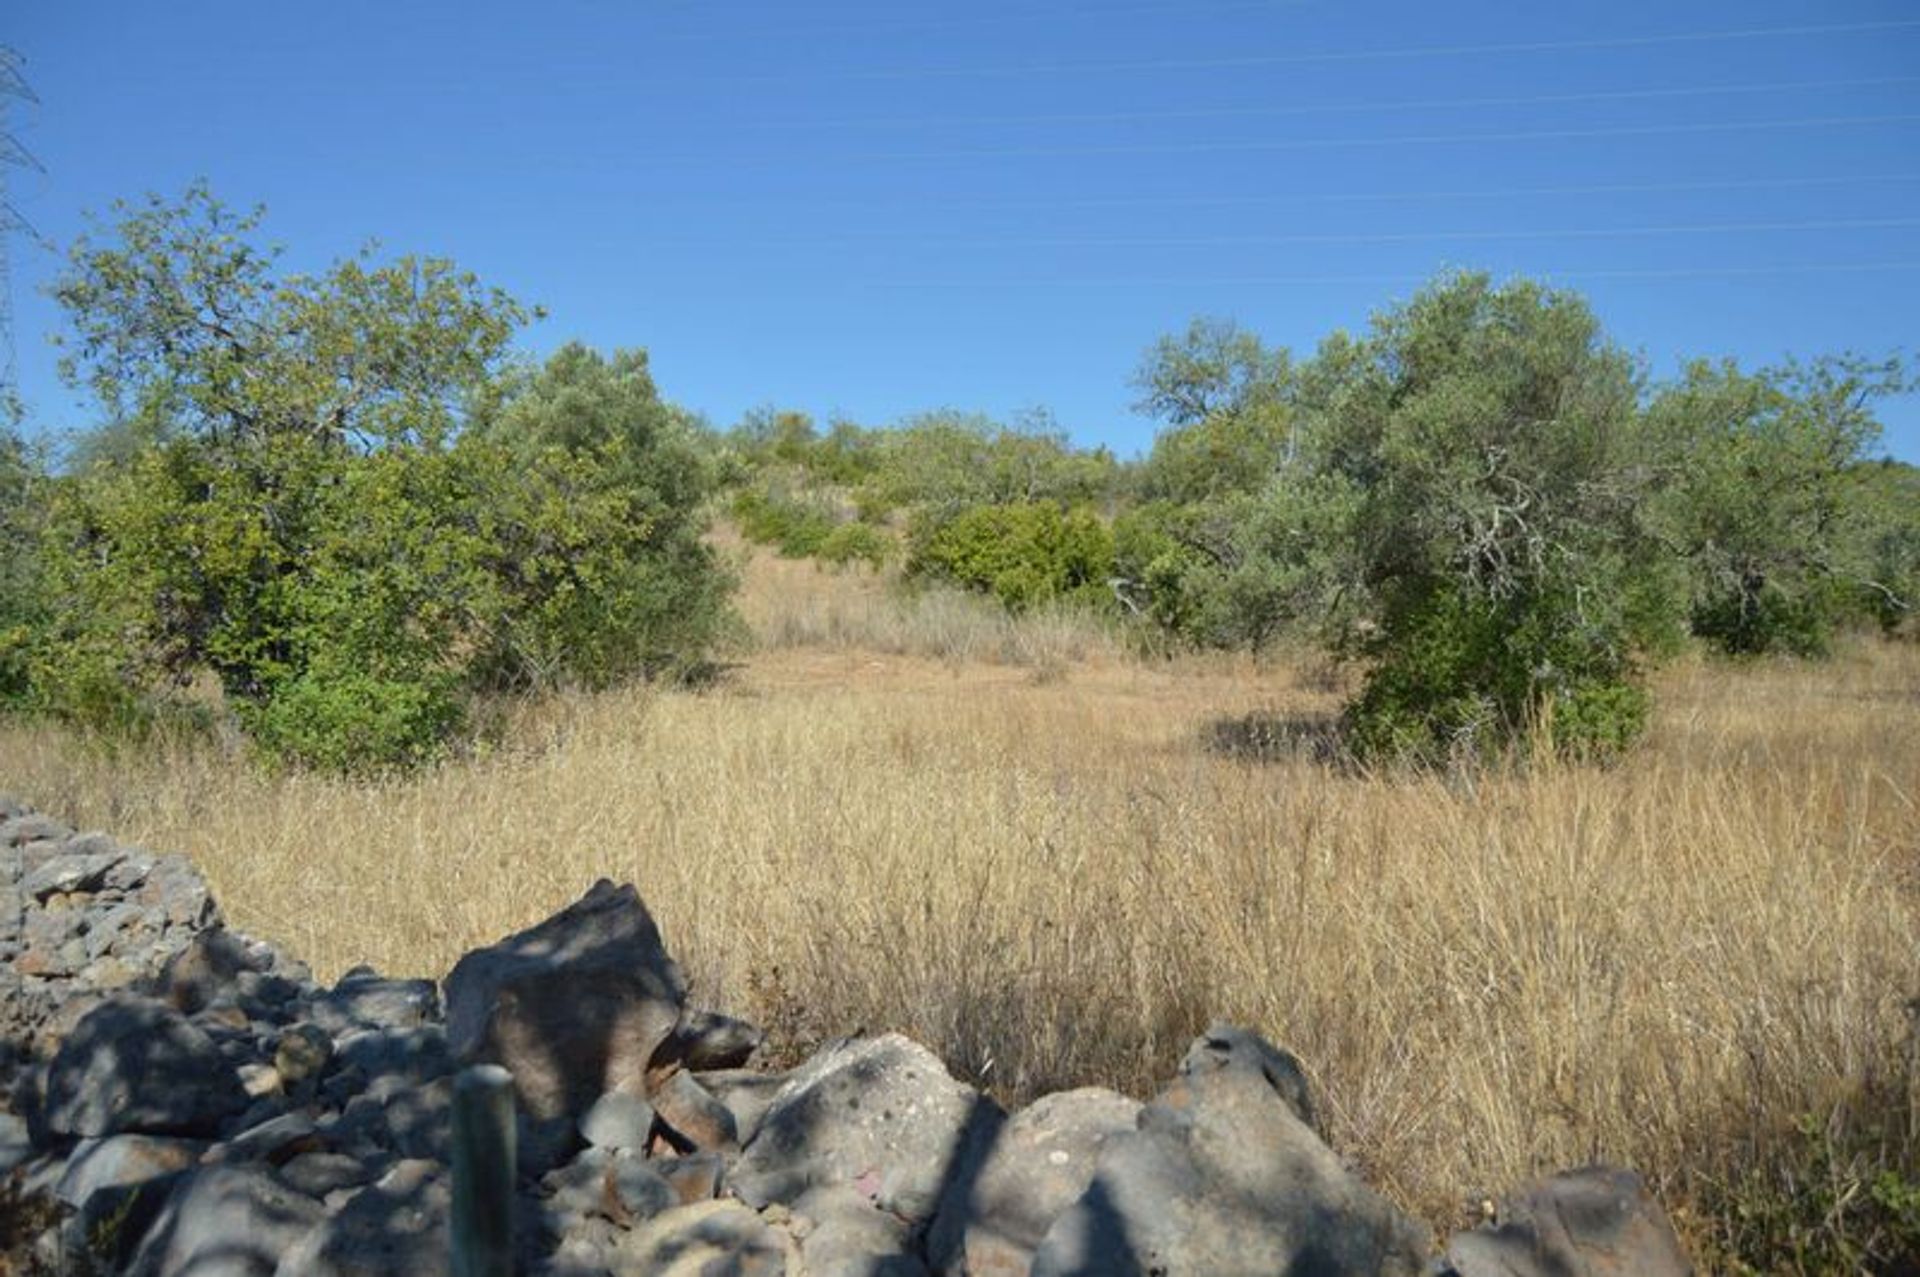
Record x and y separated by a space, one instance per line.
856 543
358 724
1022 554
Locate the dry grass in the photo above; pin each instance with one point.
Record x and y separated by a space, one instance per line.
1060 880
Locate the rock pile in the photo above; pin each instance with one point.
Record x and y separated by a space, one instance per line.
179 1099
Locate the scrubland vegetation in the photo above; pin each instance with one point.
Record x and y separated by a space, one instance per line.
1532 747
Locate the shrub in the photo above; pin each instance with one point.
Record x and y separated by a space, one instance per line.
1022 554
857 543
358 724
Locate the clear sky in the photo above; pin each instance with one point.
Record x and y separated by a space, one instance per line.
868 209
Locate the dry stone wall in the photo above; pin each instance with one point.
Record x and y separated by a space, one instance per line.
176 1098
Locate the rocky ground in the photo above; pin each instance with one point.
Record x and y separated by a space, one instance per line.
176 1098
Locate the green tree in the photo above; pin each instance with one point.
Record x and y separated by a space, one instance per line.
21 589
334 506
1225 398
1486 444
1762 497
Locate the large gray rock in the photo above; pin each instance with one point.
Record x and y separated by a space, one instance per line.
1043 1160
70 873
618 1120
1224 1177
880 1115
120 1160
717 1237
1596 1222
397 1225
574 1007
133 1064
364 1000
226 1221
841 1232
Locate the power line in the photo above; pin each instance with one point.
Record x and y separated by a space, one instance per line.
1411 196
13 84
1413 139
1243 61
1416 237
1327 108
1308 280
1025 16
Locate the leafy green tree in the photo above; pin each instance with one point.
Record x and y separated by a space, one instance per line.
1887 494
1225 398
1762 499
1485 443
21 588
593 488
335 506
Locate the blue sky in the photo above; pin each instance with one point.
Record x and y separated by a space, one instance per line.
869 210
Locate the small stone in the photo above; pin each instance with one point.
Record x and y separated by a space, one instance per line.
276 1140
302 1053
694 1119
618 1120
318 1173
69 875
259 1080
694 1177
20 830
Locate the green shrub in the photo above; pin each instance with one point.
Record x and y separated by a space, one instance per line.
358 724
1022 554
856 543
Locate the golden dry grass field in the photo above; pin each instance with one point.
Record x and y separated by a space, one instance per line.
1054 863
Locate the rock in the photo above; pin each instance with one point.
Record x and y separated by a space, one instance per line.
747 1093
301 1054
841 1232
371 1001
419 1119
878 1114
705 1040
20 830
1225 1048
1224 1177
204 969
318 1173
415 1053
276 1140
16 1146
175 888
573 1007
1039 1166
693 1120
226 1221
694 1177
133 1064
1595 1222
706 1237
618 1120
607 1184
68 874
397 1225
260 1081
120 1160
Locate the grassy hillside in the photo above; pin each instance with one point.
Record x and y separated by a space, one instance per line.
1054 862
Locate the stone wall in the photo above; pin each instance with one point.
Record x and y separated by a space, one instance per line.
176 1098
